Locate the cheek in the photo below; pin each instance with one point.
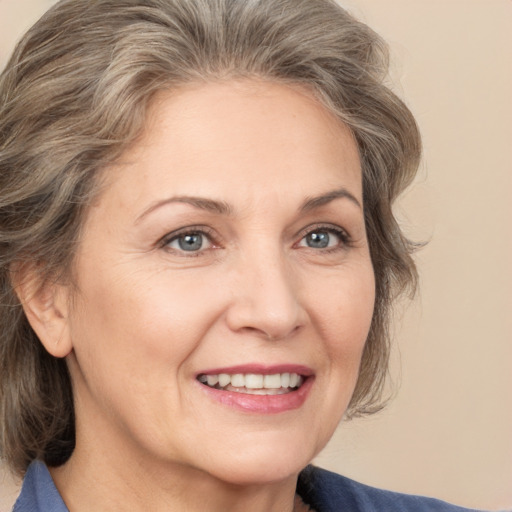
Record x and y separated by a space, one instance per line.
132 338
153 319
345 314
344 320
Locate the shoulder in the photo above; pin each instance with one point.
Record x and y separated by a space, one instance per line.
329 492
38 492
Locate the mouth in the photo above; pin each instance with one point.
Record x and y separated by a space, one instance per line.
254 383
259 389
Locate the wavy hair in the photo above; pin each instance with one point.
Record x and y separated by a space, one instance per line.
74 96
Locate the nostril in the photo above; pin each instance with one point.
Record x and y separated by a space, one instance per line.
270 333
272 313
277 337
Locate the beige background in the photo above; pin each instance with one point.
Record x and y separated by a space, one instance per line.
448 432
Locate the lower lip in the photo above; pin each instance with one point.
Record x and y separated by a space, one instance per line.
261 404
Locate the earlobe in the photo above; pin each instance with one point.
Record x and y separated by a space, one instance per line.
46 306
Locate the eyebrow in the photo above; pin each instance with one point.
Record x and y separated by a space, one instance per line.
209 205
317 201
223 208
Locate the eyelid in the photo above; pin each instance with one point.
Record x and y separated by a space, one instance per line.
342 233
206 231
213 237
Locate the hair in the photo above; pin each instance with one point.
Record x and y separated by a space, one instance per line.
74 96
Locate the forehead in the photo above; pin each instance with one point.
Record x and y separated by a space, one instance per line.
245 134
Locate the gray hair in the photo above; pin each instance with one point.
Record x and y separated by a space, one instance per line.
74 96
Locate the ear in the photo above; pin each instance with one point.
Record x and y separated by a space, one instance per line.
46 306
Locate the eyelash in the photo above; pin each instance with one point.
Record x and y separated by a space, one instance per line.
209 234
204 231
344 237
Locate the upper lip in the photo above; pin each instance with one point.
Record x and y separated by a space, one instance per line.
261 369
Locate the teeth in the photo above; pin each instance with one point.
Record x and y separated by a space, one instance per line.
224 379
254 383
212 380
272 381
247 391
238 380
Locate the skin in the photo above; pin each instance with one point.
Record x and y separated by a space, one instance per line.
148 316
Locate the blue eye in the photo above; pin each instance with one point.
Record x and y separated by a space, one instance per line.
324 238
318 240
189 242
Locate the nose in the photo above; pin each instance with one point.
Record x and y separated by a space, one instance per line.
265 299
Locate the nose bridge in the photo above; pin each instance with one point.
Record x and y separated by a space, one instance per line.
266 299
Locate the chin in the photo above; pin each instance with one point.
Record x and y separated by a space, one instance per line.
258 474
259 465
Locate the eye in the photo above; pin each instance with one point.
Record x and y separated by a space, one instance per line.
324 238
189 241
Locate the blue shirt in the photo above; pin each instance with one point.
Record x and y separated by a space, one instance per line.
320 489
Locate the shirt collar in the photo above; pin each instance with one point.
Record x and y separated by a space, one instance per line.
38 492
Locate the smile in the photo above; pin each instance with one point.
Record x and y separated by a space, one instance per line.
257 388
254 383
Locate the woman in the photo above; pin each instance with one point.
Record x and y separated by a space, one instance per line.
198 253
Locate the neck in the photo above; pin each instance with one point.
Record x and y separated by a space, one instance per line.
86 483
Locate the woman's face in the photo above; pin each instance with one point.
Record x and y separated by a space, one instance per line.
225 288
